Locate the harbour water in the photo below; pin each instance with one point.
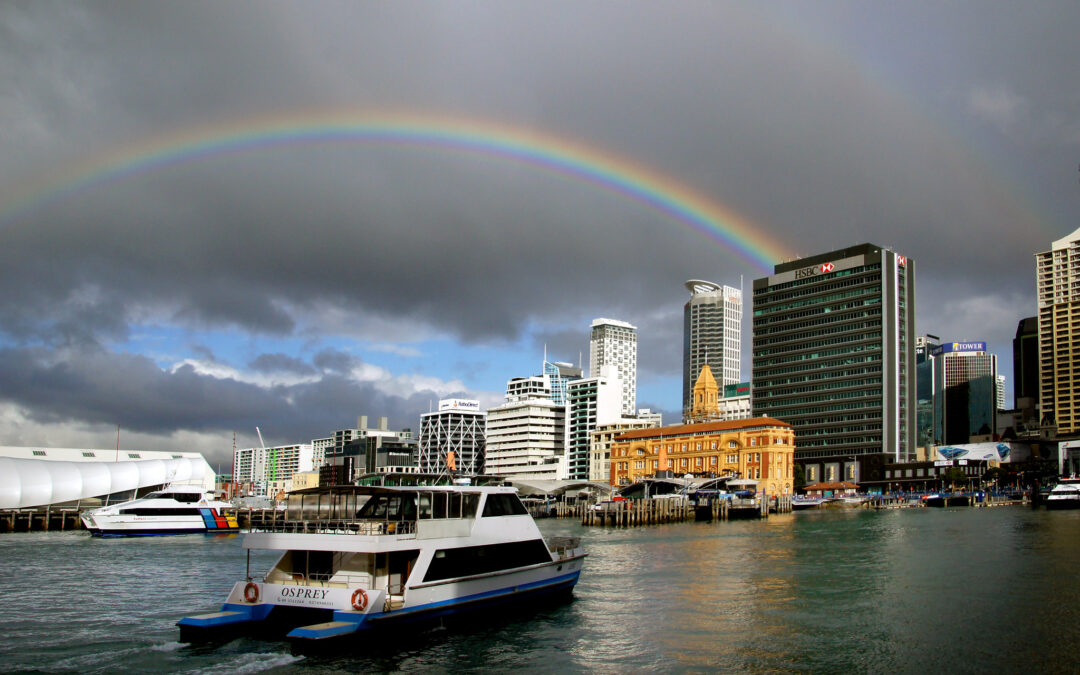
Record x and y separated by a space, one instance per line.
905 591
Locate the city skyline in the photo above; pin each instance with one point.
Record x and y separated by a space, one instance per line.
210 223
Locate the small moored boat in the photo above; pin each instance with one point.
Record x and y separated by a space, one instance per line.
1064 495
801 503
359 558
177 509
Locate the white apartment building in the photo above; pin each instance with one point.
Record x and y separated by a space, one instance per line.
265 471
458 427
614 343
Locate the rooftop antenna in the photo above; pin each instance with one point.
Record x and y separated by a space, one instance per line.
261 443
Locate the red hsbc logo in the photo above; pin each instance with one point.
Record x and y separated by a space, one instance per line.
827 267
901 260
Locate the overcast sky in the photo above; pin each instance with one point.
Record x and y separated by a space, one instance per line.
296 285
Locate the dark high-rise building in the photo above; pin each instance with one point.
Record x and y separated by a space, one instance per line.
1026 364
834 352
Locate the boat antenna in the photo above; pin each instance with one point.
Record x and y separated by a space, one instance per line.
118 442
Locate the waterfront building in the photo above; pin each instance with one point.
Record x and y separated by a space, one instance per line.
965 392
712 334
263 472
592 401
43 476
1057 280
834 352
1026 367
603 437
458 427
614 343
759 449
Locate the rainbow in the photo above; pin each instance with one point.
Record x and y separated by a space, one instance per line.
482 137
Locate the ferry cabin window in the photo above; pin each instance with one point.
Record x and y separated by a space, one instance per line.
390 507
160 512
452 563
504 505
182 497
448 505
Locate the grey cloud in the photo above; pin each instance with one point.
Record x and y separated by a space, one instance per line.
278 363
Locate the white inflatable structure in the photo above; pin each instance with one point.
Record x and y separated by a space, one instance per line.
26 483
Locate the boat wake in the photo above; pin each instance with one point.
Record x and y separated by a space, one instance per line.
251 662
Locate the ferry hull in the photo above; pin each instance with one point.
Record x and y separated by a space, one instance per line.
148 526
523 590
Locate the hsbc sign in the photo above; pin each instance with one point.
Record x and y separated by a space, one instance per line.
806 272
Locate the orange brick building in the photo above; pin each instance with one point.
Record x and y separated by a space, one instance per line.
761 449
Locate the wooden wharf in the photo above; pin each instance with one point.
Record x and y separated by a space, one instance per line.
638 512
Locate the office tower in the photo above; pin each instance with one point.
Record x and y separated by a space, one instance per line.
1026 366
592 402
965 392
1057 282
834 352
1000 399
458 426
614 343
712 333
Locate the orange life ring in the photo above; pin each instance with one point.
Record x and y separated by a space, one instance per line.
251 592
359 599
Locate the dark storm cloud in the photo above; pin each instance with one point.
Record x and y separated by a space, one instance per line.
825 125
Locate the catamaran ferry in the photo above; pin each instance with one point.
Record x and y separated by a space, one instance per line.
357 558
176 509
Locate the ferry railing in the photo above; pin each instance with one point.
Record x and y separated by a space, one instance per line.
325 579
564 546
362 527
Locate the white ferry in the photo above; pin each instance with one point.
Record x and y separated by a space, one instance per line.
358 558
173 510
1064 495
